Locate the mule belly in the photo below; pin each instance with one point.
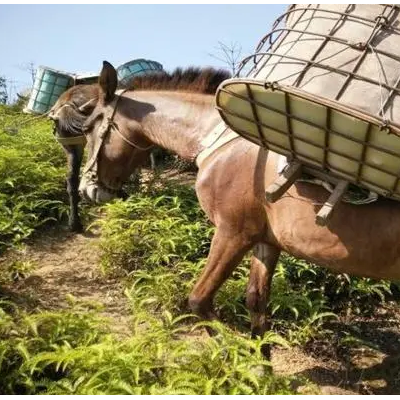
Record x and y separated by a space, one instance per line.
343 250
339 259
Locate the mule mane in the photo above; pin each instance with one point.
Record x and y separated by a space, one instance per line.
73 119
191 79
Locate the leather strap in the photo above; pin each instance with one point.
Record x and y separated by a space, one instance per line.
214 140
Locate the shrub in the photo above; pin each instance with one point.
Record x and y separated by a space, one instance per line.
71 352
32 176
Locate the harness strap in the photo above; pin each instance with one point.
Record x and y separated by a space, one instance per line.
81 139
131 143
103 130
214 140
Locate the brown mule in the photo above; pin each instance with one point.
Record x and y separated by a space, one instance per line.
230 185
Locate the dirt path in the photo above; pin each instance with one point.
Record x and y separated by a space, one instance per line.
370 364
68 264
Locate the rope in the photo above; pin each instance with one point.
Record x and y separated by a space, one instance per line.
113 125
14 129
381 111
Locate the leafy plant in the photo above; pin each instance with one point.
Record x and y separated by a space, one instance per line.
15 270
71 353
24 337
32 177
339 292
153 231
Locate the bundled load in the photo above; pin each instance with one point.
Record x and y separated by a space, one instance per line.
323 89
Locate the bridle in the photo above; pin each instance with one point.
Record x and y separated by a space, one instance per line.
91 168
69 140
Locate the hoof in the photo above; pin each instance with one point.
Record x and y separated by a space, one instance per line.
266 351
122 194
76 227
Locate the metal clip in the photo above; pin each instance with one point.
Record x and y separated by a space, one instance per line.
382 20
271 85
384 127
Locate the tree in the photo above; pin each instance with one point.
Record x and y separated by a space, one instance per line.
3 90
30 68
228 54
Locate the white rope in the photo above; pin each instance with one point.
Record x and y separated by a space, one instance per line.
381 111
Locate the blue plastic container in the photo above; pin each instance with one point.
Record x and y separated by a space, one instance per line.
137 67
48 86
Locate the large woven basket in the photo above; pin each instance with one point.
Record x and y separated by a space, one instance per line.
323 88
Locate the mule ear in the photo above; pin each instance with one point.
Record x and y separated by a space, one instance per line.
108 81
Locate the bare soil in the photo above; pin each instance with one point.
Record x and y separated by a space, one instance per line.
68 264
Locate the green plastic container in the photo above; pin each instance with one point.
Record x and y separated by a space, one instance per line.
137 67
48 86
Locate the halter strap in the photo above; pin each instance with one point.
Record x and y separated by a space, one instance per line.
73 140
129 142
105 126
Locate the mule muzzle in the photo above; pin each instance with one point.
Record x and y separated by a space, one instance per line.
95 193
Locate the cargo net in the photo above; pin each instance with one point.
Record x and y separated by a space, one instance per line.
322 88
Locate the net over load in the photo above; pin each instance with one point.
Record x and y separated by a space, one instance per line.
323 88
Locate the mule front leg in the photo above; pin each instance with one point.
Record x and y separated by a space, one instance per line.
225 254
74 154
263 263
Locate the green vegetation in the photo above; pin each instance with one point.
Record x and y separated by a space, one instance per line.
72 353
32 176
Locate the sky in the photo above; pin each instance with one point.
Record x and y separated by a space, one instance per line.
77 38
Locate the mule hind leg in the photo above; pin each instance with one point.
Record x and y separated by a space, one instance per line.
263 263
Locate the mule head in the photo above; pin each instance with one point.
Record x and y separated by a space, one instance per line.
114 141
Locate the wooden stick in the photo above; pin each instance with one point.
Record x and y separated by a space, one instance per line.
326 211
283 182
